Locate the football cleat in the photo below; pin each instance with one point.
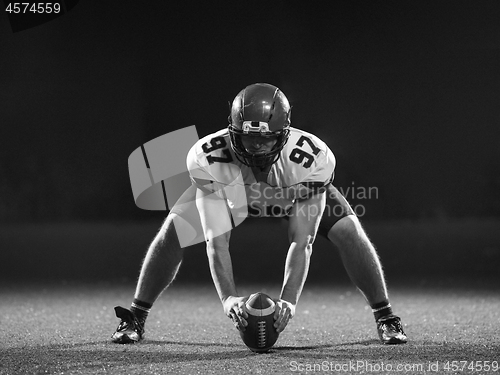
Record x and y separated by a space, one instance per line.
390 330
130 330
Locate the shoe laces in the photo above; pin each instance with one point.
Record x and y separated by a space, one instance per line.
124 325
391 322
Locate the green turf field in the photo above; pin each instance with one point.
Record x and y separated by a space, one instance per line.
65 329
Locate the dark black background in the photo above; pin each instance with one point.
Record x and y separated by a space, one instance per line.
406 93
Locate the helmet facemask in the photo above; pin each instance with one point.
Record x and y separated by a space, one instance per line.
257 159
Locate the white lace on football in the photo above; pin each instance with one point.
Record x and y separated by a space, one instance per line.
261 326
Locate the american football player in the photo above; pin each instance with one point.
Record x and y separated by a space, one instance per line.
261 166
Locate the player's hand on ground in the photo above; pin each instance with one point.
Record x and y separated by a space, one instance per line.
235 309
284 312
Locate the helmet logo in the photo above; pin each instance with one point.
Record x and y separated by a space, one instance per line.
255 127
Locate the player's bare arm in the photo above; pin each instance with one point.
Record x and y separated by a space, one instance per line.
303 226
216 224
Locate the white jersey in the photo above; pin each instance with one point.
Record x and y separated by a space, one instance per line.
305 165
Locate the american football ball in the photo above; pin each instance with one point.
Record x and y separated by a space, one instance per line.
260 334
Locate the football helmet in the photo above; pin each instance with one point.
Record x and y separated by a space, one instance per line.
260 110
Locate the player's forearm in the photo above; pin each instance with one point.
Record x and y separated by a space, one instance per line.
296 269
221 270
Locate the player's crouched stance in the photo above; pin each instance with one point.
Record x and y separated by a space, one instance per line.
293 171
